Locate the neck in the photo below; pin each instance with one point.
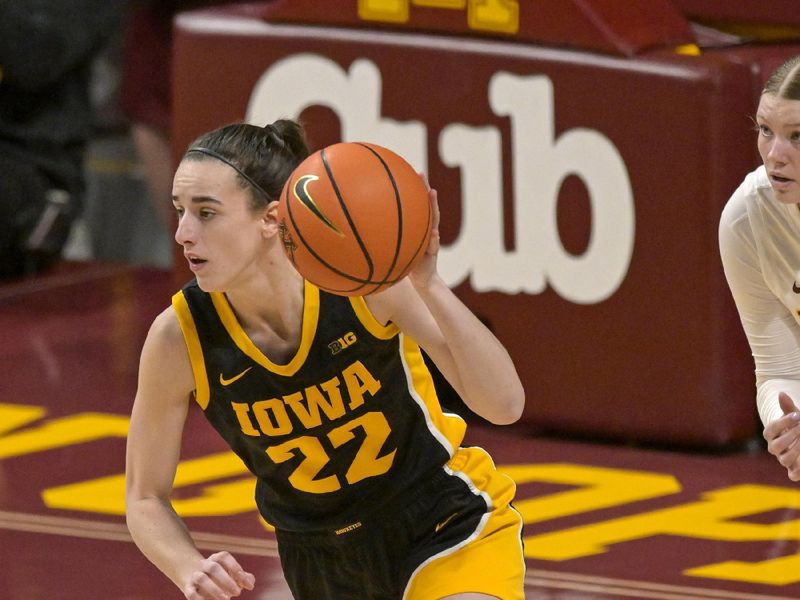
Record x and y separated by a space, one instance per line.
274 298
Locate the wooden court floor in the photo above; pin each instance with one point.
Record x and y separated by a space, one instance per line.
602 520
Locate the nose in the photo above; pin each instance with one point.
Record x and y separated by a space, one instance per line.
778 150
185 231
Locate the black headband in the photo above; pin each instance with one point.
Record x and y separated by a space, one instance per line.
218 156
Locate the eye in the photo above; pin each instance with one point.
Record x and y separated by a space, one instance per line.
178 211
206 213
795 136
764 130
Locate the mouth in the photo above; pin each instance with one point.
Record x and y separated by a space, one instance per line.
780 179
781 184
195 262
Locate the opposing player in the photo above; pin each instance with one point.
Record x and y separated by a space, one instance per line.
760 247
357 466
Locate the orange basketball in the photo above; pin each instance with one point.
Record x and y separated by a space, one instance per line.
355 218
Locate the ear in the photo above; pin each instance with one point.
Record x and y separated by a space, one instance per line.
269 219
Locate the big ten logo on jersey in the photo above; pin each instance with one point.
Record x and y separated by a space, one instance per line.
540 162
347 340
482 15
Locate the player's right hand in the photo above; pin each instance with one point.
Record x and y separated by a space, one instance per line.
783 437
218 577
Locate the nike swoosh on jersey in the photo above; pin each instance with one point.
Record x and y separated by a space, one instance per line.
441 524
226 382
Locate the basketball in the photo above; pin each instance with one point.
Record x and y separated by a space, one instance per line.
355 218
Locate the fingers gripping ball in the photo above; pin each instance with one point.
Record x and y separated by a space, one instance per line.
355 218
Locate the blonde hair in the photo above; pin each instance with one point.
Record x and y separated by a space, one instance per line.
785 80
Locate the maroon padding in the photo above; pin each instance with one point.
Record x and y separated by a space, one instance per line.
772 12
608 26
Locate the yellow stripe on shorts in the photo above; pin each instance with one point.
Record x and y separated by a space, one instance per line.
491 560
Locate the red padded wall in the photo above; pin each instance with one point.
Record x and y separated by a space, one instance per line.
662 358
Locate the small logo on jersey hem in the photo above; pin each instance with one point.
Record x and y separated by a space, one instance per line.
226 382
795 289
441 524
349 528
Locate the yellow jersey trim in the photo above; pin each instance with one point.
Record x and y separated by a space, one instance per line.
181 308
449 429
246 345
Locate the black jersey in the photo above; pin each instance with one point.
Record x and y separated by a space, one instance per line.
351 421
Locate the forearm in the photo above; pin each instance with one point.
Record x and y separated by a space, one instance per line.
163 538
767 397
487 380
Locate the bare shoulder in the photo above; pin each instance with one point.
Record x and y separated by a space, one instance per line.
165 338
165 358
165 328
402 305
386 304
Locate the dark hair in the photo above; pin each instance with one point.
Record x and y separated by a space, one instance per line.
785 80
263 157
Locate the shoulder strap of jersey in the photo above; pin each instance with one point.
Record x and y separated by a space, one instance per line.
181 307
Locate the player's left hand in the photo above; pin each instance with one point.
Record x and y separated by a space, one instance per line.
425 269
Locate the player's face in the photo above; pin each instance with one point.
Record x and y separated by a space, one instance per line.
779 145
222 237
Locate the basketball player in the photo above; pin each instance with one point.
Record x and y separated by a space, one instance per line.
357 466
760 247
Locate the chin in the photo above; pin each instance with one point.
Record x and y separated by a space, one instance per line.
206 284
788 198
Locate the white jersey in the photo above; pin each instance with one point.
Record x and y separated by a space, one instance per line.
759 240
